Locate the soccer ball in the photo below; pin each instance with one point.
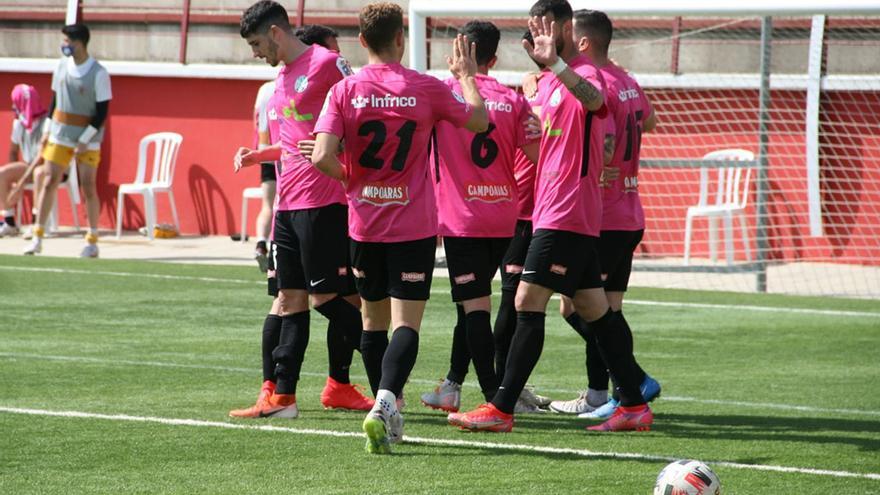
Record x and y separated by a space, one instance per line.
687 478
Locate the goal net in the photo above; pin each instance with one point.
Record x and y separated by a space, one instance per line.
787 128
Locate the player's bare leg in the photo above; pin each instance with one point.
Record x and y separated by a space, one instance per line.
46 188
88 183
9 174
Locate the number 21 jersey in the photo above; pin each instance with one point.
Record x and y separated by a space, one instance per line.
385 115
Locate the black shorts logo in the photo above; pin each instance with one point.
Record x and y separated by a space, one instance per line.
412 276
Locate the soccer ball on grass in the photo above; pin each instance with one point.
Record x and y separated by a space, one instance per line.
687 478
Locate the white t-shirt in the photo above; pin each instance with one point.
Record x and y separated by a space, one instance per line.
261 106
28 142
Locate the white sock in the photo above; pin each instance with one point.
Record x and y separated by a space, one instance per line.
387 401
7 213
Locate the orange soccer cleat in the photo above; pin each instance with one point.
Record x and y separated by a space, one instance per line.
486 417
269 405
344 396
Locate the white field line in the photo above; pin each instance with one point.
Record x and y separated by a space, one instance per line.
432 441
254 371
438 292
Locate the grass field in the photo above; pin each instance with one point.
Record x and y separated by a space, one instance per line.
116 377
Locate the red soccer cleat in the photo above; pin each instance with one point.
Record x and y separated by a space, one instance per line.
344 396
486 417
636 418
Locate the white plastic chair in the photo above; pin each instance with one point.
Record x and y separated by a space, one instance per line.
72 186
730 200
249 193
165 146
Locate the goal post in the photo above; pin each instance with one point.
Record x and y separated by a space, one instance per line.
793 83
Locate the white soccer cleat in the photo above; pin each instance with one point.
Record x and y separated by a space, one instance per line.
525 407
7 230
35 247
529 396
446 397
28 233
586 402
89 251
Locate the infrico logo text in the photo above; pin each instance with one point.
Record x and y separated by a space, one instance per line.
387 101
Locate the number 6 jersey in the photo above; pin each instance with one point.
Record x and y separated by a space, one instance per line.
385 115
474 173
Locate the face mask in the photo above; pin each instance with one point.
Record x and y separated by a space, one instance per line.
67 50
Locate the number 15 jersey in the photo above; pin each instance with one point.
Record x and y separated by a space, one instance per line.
385 115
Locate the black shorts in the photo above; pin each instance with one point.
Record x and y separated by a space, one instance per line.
515 257
616 249
472 263
402 270
267 172
310 250
563 261
271 281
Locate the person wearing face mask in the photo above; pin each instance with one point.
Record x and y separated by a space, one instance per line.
81 96
27 131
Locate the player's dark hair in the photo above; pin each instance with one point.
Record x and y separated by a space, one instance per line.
528 37
315 34
77 32
595 25
259 17
379 23
560 9
486 36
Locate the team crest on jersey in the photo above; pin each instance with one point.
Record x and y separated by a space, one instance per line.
344 67
302 82
488 193
378 194
556 97
273 115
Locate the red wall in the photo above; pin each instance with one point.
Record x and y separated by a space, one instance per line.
214 116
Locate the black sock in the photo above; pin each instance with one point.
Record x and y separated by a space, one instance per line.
640 373
460 357
525 349
505 326
271 334
610 334
373 346
10 220
291 350
482 349
344 324
400 357
597 372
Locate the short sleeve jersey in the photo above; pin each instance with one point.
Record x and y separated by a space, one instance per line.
28 142
300 90
475 181
261 114
386 114
567 193
628 108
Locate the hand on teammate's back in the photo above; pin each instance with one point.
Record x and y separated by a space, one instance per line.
306 147
463 62
544 34
530 84
533 127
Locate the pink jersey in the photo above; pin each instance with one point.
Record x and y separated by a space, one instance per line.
300 90
628 108
567 193
475 182
385 114
524 170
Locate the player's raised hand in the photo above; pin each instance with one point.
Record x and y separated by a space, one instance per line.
463 62
544 34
